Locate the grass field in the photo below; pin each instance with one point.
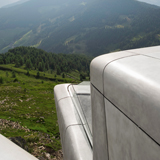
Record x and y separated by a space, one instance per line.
44 75
27 108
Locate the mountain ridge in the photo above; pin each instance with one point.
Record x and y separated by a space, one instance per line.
90 27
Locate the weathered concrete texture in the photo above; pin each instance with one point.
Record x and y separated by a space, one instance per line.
10 151
133 85
126 141
100 148
76 144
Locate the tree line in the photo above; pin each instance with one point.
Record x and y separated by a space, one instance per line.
40 60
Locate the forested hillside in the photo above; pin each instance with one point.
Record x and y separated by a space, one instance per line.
31 58
91 27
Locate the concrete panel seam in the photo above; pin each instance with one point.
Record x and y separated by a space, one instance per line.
83 129
84 114
82 121
66 132
63 98
68 87
103 91
145 55
113 61
97 89
71 126
106 124
105 118
133 122
85 94
128 118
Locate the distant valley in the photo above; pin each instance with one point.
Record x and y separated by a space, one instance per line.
90 27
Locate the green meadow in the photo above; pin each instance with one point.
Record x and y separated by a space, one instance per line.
27 105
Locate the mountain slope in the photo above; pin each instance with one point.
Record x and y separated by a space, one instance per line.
92 27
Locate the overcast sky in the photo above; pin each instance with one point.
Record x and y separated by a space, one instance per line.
156 2
6 2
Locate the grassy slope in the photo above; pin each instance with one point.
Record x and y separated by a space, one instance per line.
44 75
30 103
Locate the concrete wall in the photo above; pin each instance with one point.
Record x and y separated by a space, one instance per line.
125 89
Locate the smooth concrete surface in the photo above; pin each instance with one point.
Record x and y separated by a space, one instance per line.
153 55
133 85
98 65
83 97
146 50
125 140
80 94
100 144
10 151
61 91
85 101
130 80
82 89
84 83
67 116
76 145
73 126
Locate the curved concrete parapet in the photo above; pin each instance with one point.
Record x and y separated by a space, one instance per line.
10 151
72 126
99 63
125 105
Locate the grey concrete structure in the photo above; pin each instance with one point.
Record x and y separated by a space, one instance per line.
74 120
120 119
10 151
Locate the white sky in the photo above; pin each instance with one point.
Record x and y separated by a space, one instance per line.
156 2
6 2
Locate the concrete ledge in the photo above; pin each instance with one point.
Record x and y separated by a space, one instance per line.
61 91
67 116
10 151
75 143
